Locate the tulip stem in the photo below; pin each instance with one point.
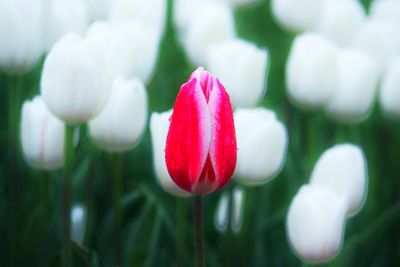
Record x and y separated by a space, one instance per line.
68 165
198 230
117 207
45 217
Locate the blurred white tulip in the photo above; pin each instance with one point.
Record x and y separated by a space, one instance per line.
237 208
159 125
357 77
343 169
390 90
310 70
141 45
297 15
242 69
150 13
202 32
99 9
340 20
262 143
221 215
78 223
243 2
387 10
21 31
65 16
42 136
381 39
315 223
121 123
183 11
128 49
74 83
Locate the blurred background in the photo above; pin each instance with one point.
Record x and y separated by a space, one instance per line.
157 227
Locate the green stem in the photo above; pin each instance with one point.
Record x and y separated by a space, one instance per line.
89 202
14 107
45 217
68 166
198 230
181 231
117 207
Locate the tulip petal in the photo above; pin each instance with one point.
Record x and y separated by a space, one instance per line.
223 148
189 136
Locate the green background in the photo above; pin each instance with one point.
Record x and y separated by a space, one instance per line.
157 228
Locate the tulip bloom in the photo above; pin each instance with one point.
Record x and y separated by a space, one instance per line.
42 136
201 143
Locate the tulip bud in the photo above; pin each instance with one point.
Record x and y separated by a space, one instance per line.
238 200
42 136
201 33
65 17
315 223
222 213
380 39
151 13
297 15
357 77
242 67
21 30
262 143
159 124
74 85
201 144
78 223
120 124
340 20
310 70
390 90
343 169
99 9
387 10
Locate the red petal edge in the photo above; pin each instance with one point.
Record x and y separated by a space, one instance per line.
223 147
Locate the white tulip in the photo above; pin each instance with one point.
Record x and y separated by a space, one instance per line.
315 223
310 70
242 69
128 49
243 2
340 20
151 13
221 215
140 45
99 9
380 39
78 223
297 15
262 143
121 123
21 31
74 83
183 11
65 17
387 10
201 33
237 208
357 77
159 125
343 169
42 136
390 90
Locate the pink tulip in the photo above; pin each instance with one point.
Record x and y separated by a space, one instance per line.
201 144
